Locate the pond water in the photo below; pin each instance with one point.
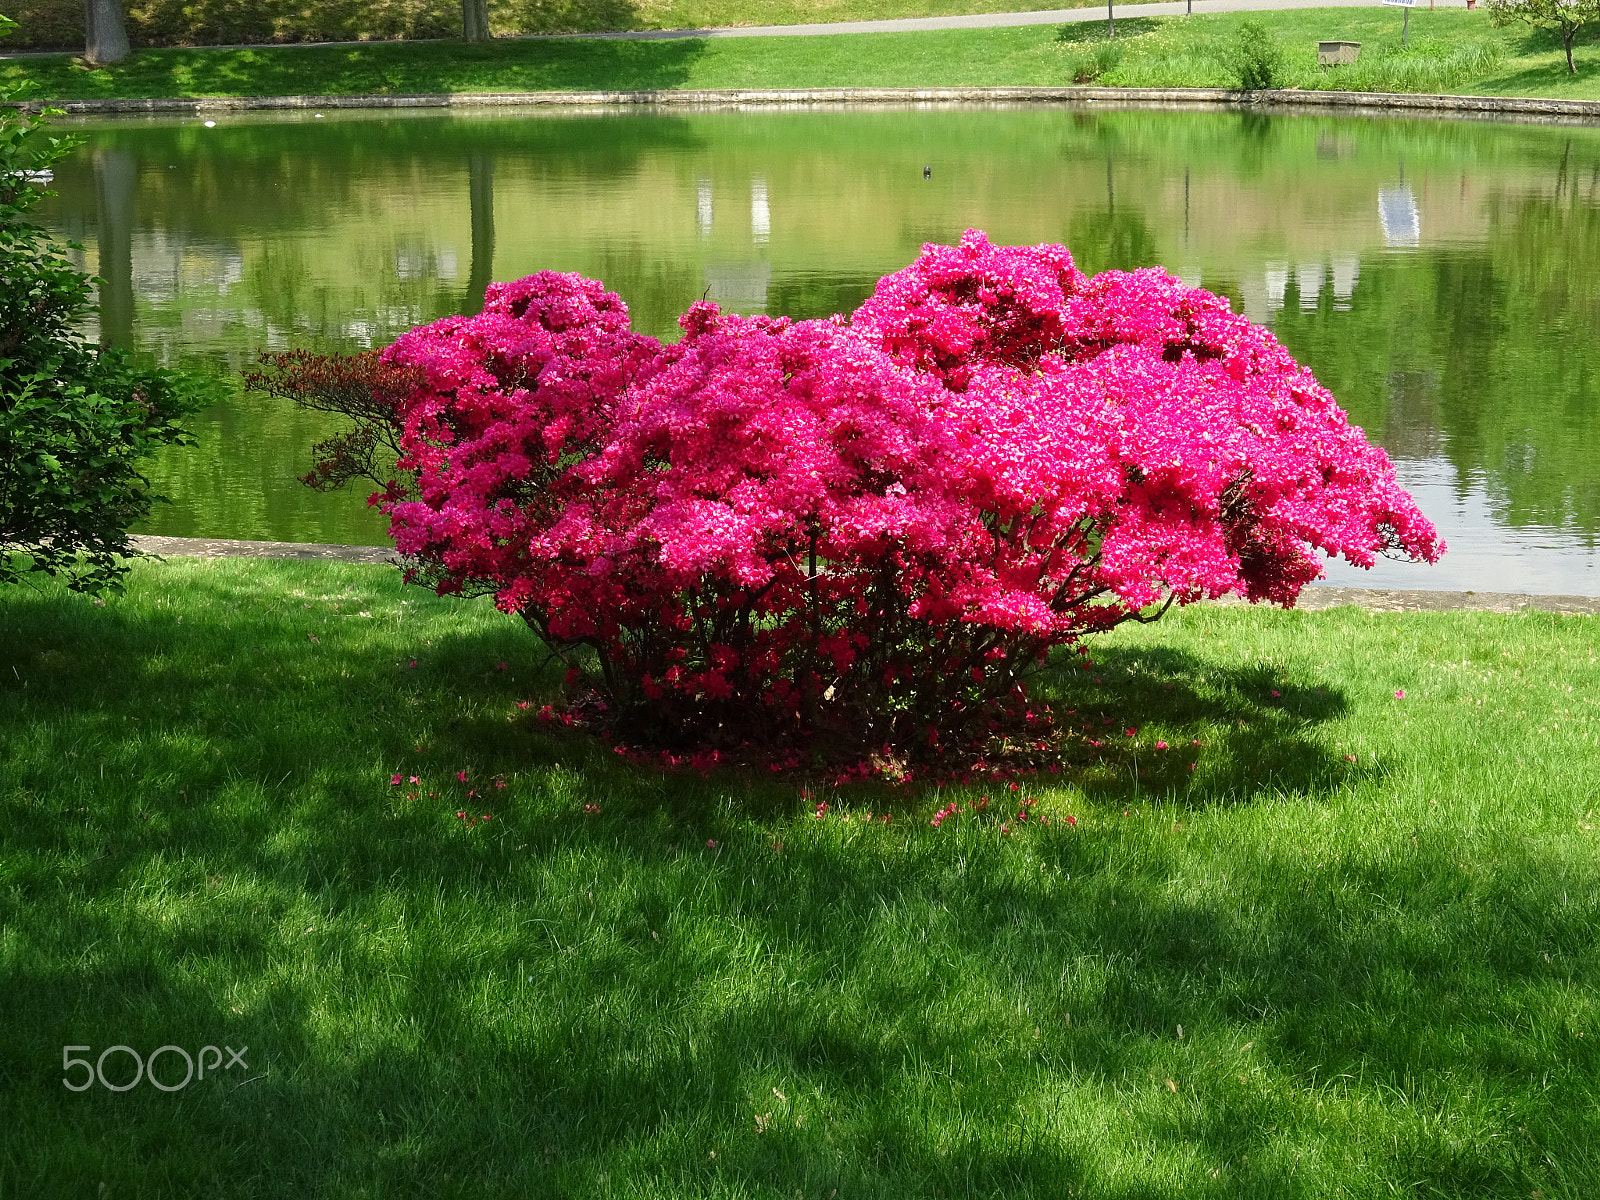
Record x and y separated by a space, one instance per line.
1438 275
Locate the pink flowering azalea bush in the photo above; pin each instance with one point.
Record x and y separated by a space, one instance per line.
846 535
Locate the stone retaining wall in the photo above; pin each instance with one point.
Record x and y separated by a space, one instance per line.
1494 107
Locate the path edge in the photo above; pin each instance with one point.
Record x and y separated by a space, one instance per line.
1314 598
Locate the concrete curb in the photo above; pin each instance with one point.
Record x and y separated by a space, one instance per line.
177 547
1513 107
1313 598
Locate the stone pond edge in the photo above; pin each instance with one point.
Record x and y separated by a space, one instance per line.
1313 598
1527 108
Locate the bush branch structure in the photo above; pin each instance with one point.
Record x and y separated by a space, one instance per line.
855 536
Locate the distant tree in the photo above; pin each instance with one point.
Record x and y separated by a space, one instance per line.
474 20
75 421
1565 17
105 32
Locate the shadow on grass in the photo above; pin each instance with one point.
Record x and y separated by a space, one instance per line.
1084 32
1256 729
608 1005
378 68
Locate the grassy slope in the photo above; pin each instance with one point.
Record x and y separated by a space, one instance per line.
1385 970
1452 50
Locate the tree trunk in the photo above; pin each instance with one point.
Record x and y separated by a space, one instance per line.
475 20
115 176
480 194
105 33
1568 39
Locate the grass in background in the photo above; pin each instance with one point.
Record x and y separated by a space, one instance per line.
1451 50
1352 952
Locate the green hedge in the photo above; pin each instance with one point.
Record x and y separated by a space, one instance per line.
58 24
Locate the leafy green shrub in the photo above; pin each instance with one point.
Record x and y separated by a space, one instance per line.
1094 62
75 421
1257 59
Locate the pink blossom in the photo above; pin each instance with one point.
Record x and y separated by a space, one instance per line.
1016 455
1399 693
394 780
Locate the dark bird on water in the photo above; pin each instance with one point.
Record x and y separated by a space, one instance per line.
927 172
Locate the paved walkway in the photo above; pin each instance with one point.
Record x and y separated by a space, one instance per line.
1055 16
1313 598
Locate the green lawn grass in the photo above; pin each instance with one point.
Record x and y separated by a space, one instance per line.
1353 953
1451 50
173 22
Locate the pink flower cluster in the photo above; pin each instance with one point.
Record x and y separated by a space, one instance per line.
860 533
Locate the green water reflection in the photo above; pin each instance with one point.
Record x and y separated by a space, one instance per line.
1437 275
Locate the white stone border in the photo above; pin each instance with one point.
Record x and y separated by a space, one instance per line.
1313 598
1582 111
